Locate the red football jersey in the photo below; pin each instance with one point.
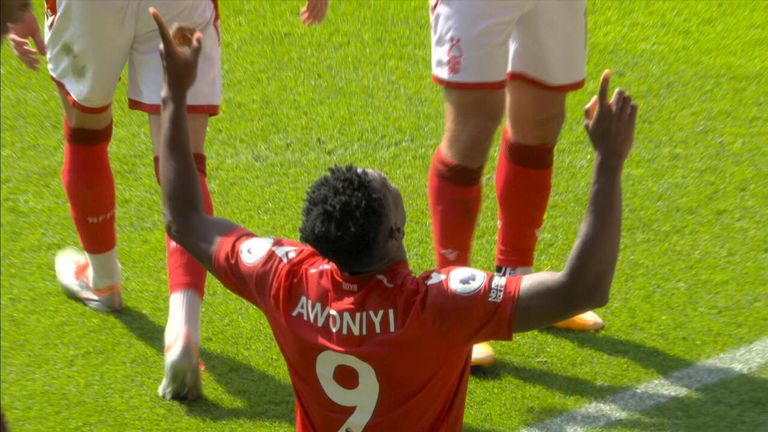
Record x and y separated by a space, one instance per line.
385 351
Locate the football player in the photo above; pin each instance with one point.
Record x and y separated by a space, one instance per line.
367 343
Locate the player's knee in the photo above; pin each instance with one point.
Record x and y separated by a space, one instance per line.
538 127
79 119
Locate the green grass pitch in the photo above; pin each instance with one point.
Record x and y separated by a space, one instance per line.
691 281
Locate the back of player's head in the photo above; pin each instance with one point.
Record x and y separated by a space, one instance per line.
343 216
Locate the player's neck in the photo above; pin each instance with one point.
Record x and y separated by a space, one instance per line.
381 265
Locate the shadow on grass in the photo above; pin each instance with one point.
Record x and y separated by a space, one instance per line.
262 396
692 413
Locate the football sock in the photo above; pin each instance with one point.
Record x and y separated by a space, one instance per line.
454 202
183 314
104 269
184 271
523 184
90 188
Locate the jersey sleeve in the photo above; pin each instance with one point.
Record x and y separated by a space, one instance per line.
251 266
471 305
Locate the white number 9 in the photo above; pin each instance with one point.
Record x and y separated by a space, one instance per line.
363 397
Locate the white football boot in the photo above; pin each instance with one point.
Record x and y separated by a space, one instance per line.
72 272
182 379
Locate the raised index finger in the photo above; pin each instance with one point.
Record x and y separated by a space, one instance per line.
605 82
165 35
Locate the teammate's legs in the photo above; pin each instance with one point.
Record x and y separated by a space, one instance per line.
524 170
86 70
90 188
186 277
547 59
454 187
469 59
186 283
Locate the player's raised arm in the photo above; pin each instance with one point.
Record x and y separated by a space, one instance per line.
546 298
185 218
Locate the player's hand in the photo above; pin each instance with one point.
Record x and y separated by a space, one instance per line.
314 11
20 33
180 51
611 124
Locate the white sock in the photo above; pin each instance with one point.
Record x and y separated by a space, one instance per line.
104 269
183 314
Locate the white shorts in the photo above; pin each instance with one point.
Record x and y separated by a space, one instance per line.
482 44
89 42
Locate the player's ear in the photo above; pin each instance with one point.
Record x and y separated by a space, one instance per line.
396 233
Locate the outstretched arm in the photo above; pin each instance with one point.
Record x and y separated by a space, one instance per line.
548 297
185 218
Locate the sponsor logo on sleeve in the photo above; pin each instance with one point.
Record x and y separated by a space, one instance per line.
286 253
497 288
465 280
436 277
254 249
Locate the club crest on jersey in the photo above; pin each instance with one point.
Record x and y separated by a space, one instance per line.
286 253
465 280
254 249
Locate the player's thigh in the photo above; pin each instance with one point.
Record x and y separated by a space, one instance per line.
197 125
88 44
548 46
77 118
535 114
146 70
471 120
470 41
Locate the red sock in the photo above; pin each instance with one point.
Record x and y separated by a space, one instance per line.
454 202
90 187
185 272
523 183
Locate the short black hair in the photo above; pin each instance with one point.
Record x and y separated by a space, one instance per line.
342 217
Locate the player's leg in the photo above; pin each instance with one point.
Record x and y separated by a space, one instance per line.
186 285
454 186
547 59
469 59
86 72
186 277
469 56
524 171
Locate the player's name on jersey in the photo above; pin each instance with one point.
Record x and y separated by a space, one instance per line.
354 323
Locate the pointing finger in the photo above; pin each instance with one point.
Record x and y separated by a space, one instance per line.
165 35
605 82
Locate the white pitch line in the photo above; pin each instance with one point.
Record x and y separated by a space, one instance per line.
741 360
